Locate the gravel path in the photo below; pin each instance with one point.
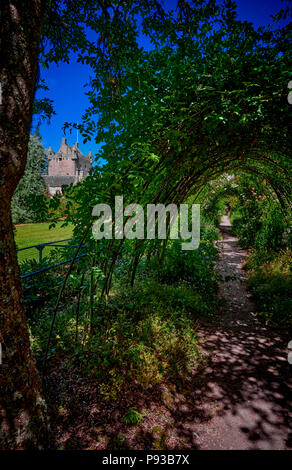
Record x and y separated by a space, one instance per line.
247 386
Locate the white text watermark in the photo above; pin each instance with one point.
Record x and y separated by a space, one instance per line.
133 222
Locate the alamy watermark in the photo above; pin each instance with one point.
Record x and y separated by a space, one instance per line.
290 92
133 222
289 358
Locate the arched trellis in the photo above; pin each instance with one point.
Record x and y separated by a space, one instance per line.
177 190
251 164
282 192
187 178
229 188
184 175
182 99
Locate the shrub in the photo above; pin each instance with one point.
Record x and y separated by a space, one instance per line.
144 334
194 267
133 417
270 237
271 285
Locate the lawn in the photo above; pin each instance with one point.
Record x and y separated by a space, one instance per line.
32 234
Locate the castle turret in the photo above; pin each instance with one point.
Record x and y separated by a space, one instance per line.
50 152
90 156
63 144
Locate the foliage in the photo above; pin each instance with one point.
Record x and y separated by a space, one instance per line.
133 417
151 335
270 235
143 333
261 227
261 221
194 267
259 215
206 98
271 285
39 288
31 184
208 231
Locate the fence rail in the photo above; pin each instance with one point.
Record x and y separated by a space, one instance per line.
40 247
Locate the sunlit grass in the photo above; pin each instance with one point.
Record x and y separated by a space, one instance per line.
32 234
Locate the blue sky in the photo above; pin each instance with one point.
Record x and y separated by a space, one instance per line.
66 81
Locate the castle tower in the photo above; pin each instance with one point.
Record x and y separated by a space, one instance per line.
67 166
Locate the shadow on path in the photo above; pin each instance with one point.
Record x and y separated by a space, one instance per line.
245 392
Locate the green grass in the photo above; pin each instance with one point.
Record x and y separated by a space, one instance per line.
32 234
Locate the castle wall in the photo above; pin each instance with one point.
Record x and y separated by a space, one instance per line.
54 190
65 166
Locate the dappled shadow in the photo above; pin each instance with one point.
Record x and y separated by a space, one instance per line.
246 380
240 397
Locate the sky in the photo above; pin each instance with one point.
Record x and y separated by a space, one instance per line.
66 81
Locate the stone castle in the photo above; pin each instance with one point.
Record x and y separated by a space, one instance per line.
68 165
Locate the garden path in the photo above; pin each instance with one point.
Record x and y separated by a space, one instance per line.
247 383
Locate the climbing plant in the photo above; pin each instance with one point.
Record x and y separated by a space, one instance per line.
209 96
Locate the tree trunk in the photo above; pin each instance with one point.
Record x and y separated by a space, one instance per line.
22 410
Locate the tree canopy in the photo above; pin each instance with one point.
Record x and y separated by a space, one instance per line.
31 184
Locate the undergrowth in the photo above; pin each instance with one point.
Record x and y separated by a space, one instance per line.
145 333
271 285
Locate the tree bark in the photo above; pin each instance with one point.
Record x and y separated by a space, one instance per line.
22 410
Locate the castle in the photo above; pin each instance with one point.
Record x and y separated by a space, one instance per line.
68 165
